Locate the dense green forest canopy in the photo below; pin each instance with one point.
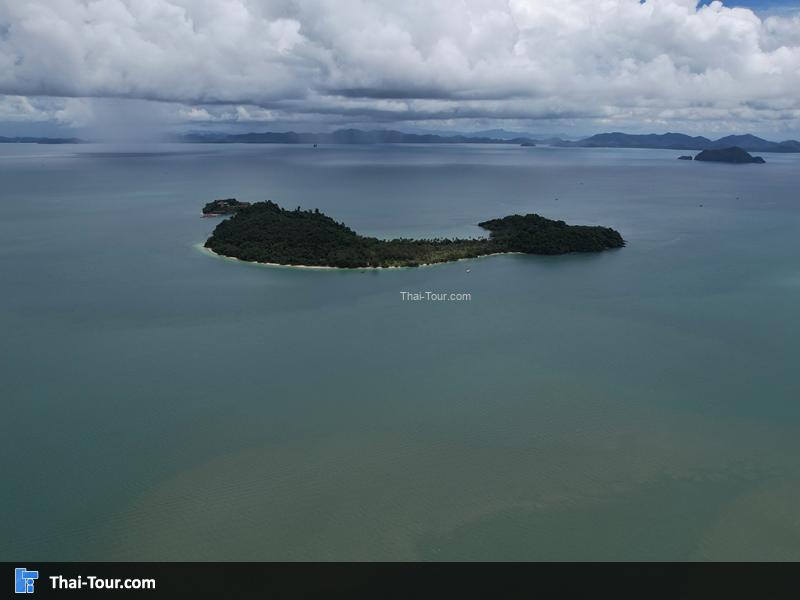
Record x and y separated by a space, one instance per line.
225 206
729 155
265 232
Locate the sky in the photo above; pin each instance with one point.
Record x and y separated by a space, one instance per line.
135 69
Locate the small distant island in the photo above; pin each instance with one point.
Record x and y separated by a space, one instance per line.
729 155
266 233
226 206
685 157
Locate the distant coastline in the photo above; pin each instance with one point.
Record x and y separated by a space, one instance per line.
344 136
680 141
666 141
39 140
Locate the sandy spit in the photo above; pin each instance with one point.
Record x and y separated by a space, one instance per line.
209 251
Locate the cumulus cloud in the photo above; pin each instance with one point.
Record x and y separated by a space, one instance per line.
70 112
625 61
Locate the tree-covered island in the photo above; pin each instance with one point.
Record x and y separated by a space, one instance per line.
729 155
265 232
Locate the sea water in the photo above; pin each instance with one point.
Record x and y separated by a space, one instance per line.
161 403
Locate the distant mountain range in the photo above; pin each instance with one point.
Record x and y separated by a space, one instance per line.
671 141
343 136
38 140
680 141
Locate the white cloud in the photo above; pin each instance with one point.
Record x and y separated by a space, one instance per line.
72 112
662 61
19 108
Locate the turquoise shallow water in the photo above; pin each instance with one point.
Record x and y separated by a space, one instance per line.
164 404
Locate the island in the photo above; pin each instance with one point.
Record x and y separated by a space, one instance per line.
734 155
226 206
685 157
266 233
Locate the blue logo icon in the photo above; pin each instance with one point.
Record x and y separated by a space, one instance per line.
23 580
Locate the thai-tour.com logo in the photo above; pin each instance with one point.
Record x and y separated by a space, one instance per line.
24 580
